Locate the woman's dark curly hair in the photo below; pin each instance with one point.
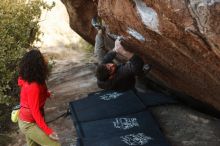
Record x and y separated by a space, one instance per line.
33 67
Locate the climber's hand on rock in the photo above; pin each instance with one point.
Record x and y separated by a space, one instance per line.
118 47
121 51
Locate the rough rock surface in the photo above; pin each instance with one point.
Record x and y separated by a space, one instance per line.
180 38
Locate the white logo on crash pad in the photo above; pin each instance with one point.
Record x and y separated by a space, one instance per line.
110 96
125 123
136 139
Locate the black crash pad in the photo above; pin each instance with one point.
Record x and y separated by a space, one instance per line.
105 104
133 123
129 139
151 98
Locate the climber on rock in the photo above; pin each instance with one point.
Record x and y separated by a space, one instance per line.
109 74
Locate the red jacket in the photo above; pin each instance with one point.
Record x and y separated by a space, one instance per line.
32 99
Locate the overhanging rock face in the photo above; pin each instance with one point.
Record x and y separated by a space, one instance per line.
180 38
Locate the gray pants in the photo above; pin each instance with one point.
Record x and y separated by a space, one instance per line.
99 51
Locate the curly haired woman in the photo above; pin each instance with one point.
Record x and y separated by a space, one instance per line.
33 72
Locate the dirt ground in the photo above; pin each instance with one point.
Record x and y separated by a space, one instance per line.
73 79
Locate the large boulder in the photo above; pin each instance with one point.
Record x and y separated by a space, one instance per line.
179 38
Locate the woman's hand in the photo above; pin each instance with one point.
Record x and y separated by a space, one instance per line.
54 136
51 93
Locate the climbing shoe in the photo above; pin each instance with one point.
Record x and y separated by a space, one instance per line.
146 68
96 23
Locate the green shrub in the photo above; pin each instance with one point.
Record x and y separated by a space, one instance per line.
85 46
19 28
